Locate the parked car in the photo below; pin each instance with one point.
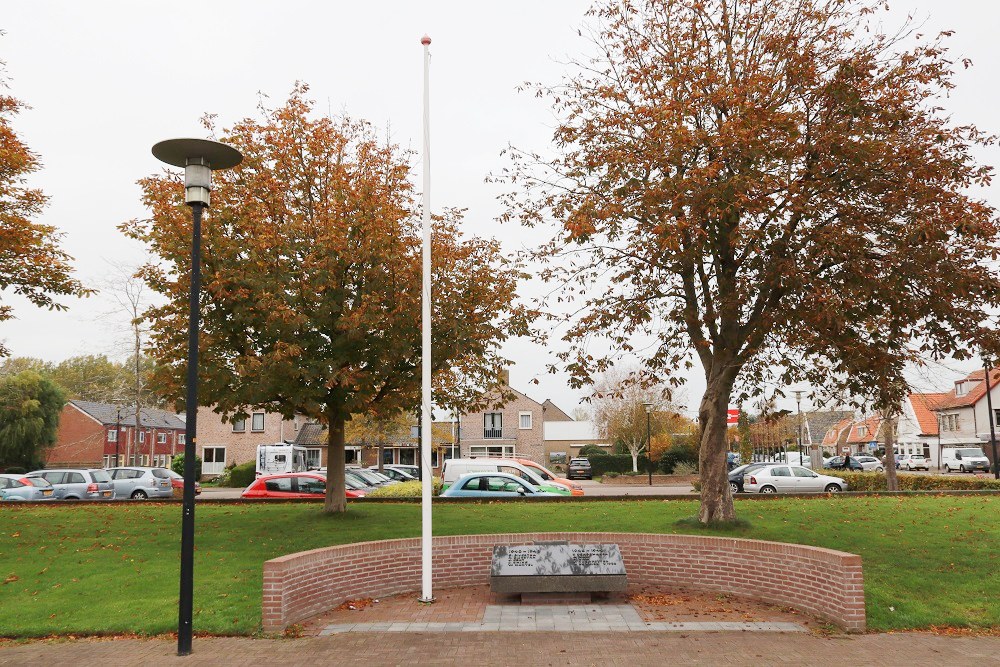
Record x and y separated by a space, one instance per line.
914 462
547 476
77 483
870 463
293 485
737 474
898 458
412 471
141 483
21 487
373 477
964 459
579 468
455 468
837 463
177 483
494 485
781 478
356 481
394 473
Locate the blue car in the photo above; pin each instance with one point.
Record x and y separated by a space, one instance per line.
493 485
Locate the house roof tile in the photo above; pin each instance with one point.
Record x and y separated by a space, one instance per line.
974 395
107 414
924 406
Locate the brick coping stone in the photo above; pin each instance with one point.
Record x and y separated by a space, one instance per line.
826 583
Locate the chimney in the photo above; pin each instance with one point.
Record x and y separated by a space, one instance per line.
505 377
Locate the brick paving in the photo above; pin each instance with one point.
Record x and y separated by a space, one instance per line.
631 649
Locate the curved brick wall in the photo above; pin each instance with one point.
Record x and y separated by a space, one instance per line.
822 582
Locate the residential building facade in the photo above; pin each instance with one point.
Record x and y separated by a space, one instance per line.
964 415
224 443
102 435
563 440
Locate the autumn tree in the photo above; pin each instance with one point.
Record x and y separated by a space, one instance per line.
30 406
378 431
621 416
32 265
771 189
311 281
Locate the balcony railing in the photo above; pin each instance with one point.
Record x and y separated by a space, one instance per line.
492 433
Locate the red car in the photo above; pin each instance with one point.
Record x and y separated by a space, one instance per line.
177 483
293 485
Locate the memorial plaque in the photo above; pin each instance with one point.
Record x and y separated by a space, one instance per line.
557 568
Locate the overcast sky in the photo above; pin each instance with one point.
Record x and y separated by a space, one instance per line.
106 80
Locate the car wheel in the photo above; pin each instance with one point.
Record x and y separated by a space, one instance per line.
139 495
70 498
880 469
833 488
961 468
768 489
734 487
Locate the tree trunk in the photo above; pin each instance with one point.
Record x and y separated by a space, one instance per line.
891 481
716 497
635 462
336 501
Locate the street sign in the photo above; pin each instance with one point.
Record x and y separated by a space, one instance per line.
732 417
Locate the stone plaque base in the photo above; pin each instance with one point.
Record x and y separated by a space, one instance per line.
556 598
557 568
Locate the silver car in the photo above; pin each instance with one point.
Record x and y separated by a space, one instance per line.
141 483
77 483
781 478
19 487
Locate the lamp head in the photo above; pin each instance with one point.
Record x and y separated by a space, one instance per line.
199 157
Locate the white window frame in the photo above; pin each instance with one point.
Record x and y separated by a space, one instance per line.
182 438
483 451
213 467
253 422
112 435
520 420
161 438
314 452
107 460
142 436
240 426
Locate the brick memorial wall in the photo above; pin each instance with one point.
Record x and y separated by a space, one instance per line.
822 582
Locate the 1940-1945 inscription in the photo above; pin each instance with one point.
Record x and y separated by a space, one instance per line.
557 568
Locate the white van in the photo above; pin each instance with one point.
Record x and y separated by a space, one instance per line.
455 468
964 459
280 458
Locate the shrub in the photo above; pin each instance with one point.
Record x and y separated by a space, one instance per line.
239 476
177 465
679 452
612 474
870 481
605 463
405 489
684 468
593 450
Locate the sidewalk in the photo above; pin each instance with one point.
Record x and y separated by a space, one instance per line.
628 649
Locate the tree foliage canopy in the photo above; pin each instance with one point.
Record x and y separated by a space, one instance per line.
312 279
30 406
761 186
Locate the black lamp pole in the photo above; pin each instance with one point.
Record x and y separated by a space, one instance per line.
992 420
198 157
118 431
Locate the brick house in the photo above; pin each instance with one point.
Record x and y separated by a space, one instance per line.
224 443
97 435
964 412
514 429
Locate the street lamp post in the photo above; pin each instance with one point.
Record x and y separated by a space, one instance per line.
649 444
798 408
198 157
118 431
992 420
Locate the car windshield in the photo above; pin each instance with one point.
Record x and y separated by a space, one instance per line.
100 476
974 453
40 482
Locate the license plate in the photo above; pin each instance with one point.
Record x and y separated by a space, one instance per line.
105 493
46 492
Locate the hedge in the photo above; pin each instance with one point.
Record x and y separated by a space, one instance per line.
866 481
177 465
238 476
411 489
620 463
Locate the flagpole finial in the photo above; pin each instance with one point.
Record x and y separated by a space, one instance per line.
425 40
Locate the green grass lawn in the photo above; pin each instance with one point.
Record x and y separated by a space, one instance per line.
114 568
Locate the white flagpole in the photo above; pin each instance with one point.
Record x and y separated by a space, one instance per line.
425 416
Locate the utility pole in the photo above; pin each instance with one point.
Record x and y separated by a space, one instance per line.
992 419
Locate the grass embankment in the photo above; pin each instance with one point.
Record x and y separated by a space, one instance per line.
114 568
